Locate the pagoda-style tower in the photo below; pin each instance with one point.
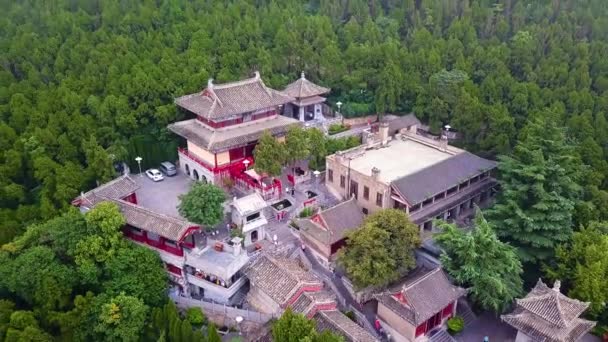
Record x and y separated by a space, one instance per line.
228 119
308 103
547 315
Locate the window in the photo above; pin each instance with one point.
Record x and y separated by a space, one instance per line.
366 192
365 211
342 181
415 208
379 199
452 190
330 175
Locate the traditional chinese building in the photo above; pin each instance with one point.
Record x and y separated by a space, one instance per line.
546 315
308 104
325 232
424 302
426 178
278 282
194 267
227 121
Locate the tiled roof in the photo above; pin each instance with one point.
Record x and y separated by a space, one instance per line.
307 101
118 188
279 277
338 323
166 226
304 88
396 123
338 219
425 293
308 300
547 315
225 138
440 177
219 101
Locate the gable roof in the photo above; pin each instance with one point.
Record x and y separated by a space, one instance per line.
424 293
337 221
337 322
546 314
238 135
118 188
307 301
302 88
219 101
279 277
440 177
397 123
166 226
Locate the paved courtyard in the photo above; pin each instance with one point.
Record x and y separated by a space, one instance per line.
162 196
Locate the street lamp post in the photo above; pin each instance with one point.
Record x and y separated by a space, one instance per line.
239 320
316 173
138 160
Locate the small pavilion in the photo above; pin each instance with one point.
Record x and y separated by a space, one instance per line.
308 104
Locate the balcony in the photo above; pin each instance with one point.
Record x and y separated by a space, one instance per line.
214 291
184 152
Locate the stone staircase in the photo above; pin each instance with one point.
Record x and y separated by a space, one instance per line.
464 310
441 336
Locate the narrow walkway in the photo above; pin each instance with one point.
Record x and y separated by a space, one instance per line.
442 336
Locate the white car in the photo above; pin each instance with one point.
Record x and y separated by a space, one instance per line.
154 175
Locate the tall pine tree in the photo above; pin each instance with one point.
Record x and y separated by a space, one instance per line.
539 191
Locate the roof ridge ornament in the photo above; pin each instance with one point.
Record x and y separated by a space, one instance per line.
302 75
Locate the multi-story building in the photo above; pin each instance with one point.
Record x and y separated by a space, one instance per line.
197 267
426 178
227 121
248 215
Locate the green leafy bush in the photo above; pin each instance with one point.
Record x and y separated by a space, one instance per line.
306 212
455 325
337 128
196 317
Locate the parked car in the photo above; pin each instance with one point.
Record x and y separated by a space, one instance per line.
154 175
168 168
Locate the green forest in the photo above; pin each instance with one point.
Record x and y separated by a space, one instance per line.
87 83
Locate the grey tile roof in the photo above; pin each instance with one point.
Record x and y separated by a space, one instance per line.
166 226
308 300
397 123
339 220
302 88
279 277
118 188
426 292
440 177
219 101
337 322
225 138
547 315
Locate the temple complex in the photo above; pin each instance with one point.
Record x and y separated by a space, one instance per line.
547 315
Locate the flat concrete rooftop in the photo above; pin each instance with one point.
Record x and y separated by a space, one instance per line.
400 158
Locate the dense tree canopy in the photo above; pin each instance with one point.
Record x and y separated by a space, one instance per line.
480 262
203 204
294 327
75 277
381 250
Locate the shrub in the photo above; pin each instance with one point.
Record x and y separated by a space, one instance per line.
350 315
196 317
306 212
336 128
455 325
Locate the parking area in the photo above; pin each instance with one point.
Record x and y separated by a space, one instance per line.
162 196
